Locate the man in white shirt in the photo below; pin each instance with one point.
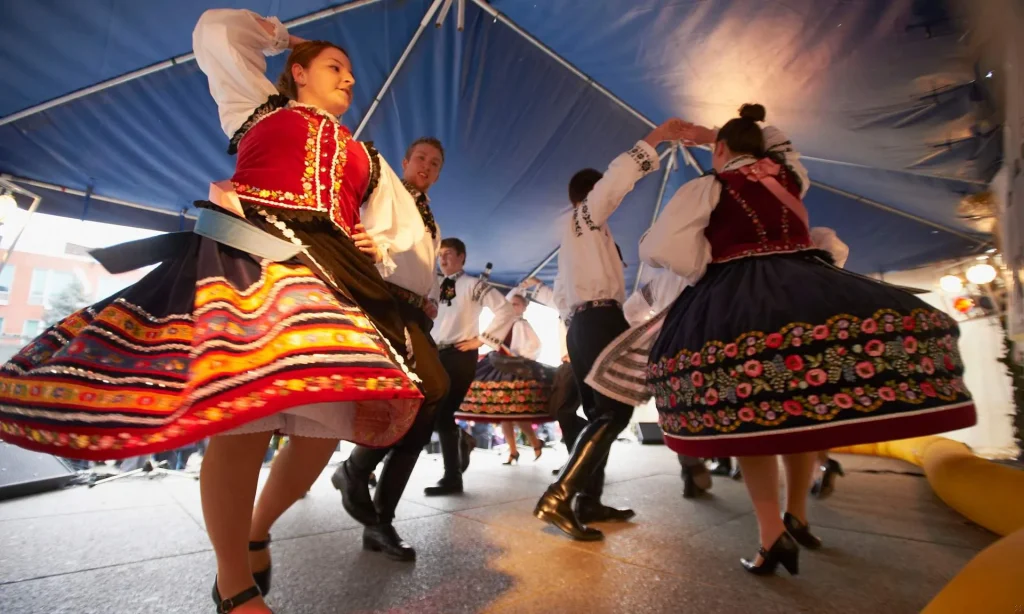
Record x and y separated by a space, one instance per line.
592 287
461 298
412 281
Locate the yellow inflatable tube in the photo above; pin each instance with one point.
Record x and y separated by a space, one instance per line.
987 493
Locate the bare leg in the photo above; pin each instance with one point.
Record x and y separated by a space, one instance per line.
227 485
799 475
761 475
295 468
509 432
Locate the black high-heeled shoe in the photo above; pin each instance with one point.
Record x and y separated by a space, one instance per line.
262 577
801 532
784 551
538 450
512 458
226 605
826 484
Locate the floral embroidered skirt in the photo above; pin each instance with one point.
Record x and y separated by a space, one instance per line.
508 388
209 342
787 354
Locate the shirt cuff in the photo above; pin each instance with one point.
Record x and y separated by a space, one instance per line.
386 267
491 340
645 157
280 40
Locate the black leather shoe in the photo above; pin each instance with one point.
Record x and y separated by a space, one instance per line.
446 486
801 532
355 494
723 467
589 510
784 551
555 509
383 538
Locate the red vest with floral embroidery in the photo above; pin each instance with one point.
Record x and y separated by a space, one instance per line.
750 221
299 158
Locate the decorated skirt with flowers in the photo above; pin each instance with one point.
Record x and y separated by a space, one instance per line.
508 388
785 354
207 342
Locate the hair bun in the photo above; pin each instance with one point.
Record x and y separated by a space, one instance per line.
755 112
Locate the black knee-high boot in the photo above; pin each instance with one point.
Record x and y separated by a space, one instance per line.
592 446
382 536
451 482
352 478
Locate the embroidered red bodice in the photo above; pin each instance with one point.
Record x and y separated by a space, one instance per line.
297 158
750 221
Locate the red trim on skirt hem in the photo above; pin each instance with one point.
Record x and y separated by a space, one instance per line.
828 436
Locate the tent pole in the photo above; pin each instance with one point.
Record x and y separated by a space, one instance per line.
550 257
36 199
895 211
92 195
657 207
398 66
164 65
499 16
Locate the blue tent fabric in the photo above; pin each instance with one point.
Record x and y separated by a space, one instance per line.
517 124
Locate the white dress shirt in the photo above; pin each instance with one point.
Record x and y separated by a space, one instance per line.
654 296
416 268
589 266
460 321
525 342
676 241
229 45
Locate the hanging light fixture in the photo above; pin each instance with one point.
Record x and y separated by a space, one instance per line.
981 274
951 283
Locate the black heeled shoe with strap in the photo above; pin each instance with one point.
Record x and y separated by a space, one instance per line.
262 577
227 605
784 551
801 532
512 458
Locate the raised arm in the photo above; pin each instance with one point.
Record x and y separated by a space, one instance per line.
676 241
230 45
625 171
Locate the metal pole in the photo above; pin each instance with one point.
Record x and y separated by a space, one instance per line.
657 207
499 16
398 66
977 182
668 151
92 195
444 13
895 211
164 65
460 16
36 199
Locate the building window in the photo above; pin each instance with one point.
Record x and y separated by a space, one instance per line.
6 283
31 329
47 284
109 286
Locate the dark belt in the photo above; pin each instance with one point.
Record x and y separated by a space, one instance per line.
581 307
408 296
227 229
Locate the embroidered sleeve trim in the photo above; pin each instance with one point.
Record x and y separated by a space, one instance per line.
643 159
374 156
272 104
